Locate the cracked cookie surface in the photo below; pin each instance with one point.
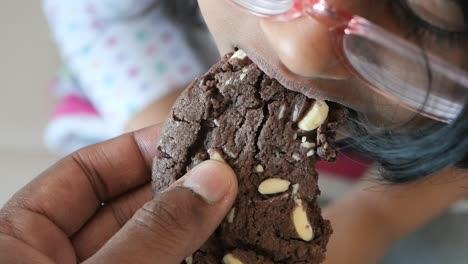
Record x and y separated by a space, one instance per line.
252 122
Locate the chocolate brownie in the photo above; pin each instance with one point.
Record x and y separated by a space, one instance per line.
272 138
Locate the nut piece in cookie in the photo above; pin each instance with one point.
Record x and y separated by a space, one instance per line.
238 55
231 215
315 117
273 186
230 259
189 260
215 155
301 222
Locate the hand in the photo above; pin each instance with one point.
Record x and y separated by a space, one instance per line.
96 206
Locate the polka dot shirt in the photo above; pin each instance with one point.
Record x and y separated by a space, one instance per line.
122 57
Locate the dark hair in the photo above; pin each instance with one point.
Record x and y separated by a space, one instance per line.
408 155
404 155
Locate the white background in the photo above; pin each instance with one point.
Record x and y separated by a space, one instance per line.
28 62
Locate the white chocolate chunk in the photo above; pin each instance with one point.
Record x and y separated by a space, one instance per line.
296 157
311 153
295 189
189 260
315 117
304 139
216 122
239 55
231 215
308 145
230 153
295 115
273 186
230 259
301 222
259 169
282 112
215 155
242 76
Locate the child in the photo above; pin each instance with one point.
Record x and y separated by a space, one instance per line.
390 86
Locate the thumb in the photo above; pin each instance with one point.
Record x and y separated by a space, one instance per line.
176 222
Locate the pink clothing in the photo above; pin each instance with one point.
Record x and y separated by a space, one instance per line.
74 104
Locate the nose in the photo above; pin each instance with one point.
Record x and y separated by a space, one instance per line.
305 47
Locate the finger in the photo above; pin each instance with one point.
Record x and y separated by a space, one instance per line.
58 203
108 221
14 251
176 222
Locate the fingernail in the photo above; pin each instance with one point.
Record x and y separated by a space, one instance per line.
210 180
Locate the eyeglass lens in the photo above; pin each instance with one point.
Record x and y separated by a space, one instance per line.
415 80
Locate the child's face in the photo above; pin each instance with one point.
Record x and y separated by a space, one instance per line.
301 56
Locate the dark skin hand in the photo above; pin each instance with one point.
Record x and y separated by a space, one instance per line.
59 217
96 206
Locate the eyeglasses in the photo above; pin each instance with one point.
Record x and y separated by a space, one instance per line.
392 66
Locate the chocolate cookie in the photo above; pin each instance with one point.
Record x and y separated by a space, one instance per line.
272 138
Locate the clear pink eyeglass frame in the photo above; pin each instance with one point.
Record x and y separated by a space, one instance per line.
405 87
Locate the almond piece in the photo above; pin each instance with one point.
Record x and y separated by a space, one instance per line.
230 259
301 222
315 117
273 186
